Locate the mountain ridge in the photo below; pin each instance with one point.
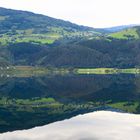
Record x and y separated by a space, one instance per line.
6 11
119 28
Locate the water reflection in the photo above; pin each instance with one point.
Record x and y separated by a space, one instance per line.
102 125
34 101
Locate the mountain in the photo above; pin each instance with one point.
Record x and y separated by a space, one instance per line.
23 26
33 39
22 20
119 28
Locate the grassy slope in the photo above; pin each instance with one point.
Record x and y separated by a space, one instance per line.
106 71
29 71
45 38
126 34
36 38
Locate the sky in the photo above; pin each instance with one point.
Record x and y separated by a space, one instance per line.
94 13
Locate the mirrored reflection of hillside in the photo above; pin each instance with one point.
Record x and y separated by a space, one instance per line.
35 101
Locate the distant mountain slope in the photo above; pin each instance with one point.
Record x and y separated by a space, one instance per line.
23 26
15 19
119 28
129 33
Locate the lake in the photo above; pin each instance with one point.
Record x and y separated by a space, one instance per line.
67 107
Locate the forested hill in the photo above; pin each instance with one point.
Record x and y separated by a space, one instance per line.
32 39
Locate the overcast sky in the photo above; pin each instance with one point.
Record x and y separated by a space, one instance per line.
95 13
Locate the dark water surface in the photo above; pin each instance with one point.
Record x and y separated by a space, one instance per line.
48 101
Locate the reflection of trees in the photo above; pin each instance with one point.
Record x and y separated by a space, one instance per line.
6 86
138 109
137 84
74 88
59 87
5 57
72 95
121 89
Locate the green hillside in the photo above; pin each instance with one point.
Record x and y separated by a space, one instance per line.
22 26
37 40
131 33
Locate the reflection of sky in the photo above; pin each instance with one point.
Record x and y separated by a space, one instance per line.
102 125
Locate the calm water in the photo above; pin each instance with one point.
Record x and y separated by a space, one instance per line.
80 107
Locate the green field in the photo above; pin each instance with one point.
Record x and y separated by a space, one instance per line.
126 34
29 71
106 71
36 38
30 35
